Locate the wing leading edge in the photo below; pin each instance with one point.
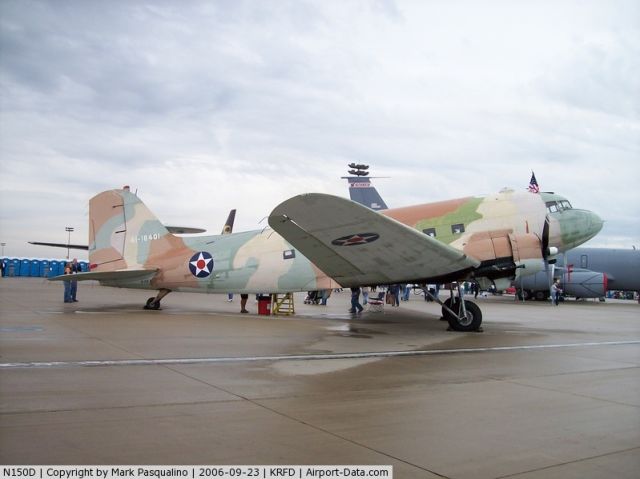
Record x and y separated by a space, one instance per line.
356 246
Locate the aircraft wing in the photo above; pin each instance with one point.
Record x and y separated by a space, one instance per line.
357 246
61 245
123 275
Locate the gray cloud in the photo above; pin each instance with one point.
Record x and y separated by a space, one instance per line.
205 106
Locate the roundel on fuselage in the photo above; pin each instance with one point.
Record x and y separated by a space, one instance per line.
201 264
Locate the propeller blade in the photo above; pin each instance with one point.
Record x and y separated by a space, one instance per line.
545 238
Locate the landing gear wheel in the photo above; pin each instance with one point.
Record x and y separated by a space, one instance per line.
470 322
152 304
541 296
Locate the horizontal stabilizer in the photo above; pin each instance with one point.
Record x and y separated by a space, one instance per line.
184 230
123 275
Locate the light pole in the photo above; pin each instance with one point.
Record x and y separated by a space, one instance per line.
69 230
3 245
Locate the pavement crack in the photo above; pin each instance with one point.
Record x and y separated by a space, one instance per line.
566 463
307 424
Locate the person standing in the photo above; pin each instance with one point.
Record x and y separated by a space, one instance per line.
556 291
325 293
406 292
365 295
356 307
243 303
75 268
394 289
67 284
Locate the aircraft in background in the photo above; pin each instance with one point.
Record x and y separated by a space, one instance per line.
178 230
321 241
587 273
360 188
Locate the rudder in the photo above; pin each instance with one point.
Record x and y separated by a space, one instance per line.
121 231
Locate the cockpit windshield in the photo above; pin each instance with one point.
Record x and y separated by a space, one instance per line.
555 206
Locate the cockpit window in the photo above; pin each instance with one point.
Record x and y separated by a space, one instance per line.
555 206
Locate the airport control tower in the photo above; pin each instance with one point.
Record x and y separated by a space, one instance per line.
360 188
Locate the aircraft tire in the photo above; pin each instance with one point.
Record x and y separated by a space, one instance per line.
472 321
445 315
152 304
541 296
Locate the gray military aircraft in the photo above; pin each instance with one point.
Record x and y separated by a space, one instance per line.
586 273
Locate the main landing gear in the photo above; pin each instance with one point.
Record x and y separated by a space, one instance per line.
154 303
462 315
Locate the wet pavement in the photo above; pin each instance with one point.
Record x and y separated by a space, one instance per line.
543 392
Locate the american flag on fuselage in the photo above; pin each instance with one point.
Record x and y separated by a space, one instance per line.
533 184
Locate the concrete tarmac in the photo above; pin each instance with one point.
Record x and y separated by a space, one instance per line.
544 391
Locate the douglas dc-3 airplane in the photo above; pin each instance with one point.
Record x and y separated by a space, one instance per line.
319 241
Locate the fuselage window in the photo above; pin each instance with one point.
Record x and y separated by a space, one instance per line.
457 229
430 231
584 261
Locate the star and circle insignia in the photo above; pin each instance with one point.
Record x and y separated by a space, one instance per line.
201 264
356 239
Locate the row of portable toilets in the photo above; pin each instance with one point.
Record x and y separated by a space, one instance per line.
40 268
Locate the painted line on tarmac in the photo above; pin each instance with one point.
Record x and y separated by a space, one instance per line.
300 357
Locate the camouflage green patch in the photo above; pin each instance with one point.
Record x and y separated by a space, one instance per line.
464 215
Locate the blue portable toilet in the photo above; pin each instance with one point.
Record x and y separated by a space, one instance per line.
5 266
84 266
53 268
44 268
14 267
61 264
25 267
34 267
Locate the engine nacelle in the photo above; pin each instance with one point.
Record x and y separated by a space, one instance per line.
584 283
581 283
505 254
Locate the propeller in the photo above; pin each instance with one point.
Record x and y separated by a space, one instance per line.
358 166
548 253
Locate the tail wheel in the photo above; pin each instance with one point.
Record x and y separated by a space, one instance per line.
469 322
152 304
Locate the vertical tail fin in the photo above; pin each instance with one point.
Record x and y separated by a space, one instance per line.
228 226
362 191
122 231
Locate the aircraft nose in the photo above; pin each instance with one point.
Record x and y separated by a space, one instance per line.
571 228
594 222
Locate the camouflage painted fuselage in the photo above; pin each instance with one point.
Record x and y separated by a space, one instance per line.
126 237
454 221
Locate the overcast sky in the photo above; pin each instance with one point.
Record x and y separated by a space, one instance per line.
206 106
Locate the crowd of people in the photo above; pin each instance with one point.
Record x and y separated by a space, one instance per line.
391 294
